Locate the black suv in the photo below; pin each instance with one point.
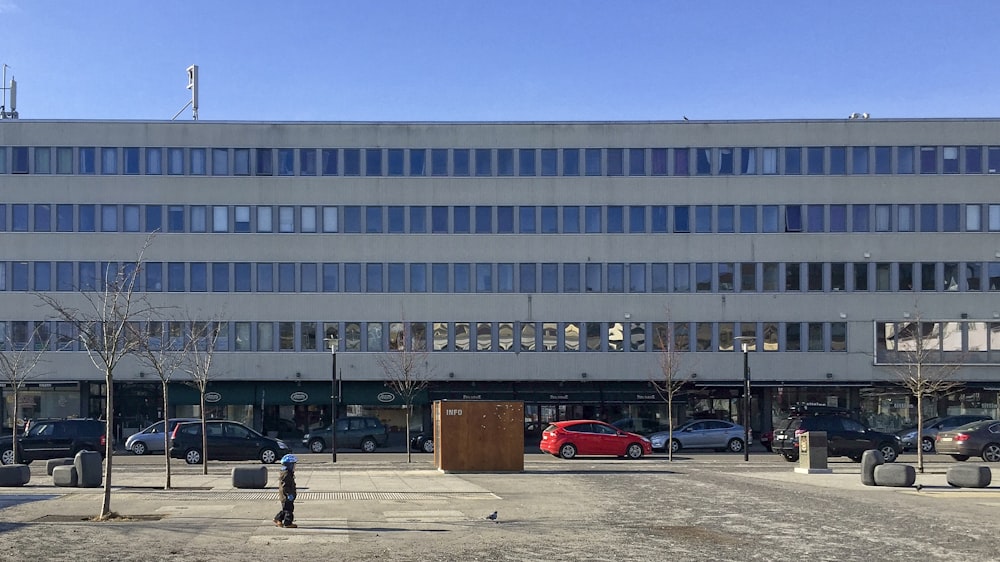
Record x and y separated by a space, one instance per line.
53 439
227 440
845 436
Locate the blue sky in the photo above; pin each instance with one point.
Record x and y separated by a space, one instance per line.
521 60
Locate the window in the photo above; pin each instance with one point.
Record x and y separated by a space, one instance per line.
373 219
175 161
593 278
658 161
770 218
439 277
265 162
592 219
265 277
816 336
593 162
64 218
286 162
43 160
904 278
352 277
84 154
859 160
950 217
330 219
418 278
331 278
814 276
418 162
397 219
395 162
373 278
352 219
526 162
175 277
883 159
793 218
461 219
882 276
905 219
484 162
616 219
571 220
198 161
307 277
43 217
637 219
616 278
793 161
838 277
616 164
460 161
748 161
550 278
130 218
748 277
793 277
109 161
571 277
220 277
109 218
199 218
973 160
439 219
199 277
682 218
928 160
816 215
703 218
682 278
505 278
505 162
418 219
373 162
484 278
439 162
703 161
726 277
220 162
658 278
352 161
549 165
883 218
550 219
928 218
727 219
703 277
329 156
860 218
681 162
904 160
571 162
64 160
950 160
241 161
463 273
861 276
526 278
838 160
793 336
220 218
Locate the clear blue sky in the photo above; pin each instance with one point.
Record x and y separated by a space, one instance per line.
460 60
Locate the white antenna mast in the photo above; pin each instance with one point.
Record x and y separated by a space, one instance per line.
12 114
192 72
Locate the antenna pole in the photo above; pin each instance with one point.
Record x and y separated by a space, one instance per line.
12 114
192 74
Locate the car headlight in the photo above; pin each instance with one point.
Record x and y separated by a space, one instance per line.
281 445
645 439
306 436
910 435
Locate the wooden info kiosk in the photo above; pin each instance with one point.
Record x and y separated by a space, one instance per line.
478 435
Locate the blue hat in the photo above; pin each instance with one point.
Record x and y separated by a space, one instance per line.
289 459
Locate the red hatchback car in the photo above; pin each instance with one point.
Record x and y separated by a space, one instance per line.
567 439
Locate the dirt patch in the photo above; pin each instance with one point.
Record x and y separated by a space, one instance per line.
113 518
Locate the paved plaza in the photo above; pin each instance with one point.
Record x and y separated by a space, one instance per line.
379 507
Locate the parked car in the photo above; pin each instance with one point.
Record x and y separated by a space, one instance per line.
765 439
642 426
54 438
845 436
283 428
422 442
933 426
227 440
980 438
701 434
150 440
359 432
567 439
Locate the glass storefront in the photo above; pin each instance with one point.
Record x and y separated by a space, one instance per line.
41 401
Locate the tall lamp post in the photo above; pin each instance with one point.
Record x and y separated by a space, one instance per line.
334 397
745 342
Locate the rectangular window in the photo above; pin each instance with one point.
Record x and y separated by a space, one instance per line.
703 277
993 212
264 162
373 278
861 276
86 214
130 218
43 160
883 218
571 162
681 162
352 161
904 160
373 219
64 160
838 160
904 277
814 157
175 161
220 218
549 162
64 218
439 161
352 219
460 161
550 219
571 219
725 161
19 164
220 162
882 276
109 218
418 162
373 162
703 218
973 160
883 159
526 278
838 218
265 277
43 217
816 216
859 160
330 157
748 161
484 162
241 161
703 162
727 218
928 218
331 278
682 218
286 161
793 160
616 278
199 277
395 162
770 218
949 155
816 336
951 218
973 218
286 336
793 277
43 276
505 278
814 276
352 277
461 219
307 277
418 219
550 277
616 219
418 278
84 154
505 161
860 218
682 278
463 273
198 161
397 219
330 222
658 277
592 164
175 277
616 164
526 162
592 219
748 277
439 219
109 161
793 336
906 219
725 277
928 160
484 278
594 282
793 218
571 277
199 218
220 277
439 277
838 277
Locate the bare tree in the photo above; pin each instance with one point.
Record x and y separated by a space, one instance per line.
200 340
17 366
669 381
406 369
102 324
921 364
156 353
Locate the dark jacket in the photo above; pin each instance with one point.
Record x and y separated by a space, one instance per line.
286 484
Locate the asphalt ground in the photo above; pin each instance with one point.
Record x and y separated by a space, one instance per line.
379 507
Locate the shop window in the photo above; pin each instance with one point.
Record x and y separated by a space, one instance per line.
462 336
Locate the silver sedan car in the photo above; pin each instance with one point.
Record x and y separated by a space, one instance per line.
702 434
150 440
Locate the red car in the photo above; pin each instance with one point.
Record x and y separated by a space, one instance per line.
567 439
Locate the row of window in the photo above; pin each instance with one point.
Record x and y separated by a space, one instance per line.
503 219
459 336
353 277
502 162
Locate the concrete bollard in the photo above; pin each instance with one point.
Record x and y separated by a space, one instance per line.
89 469
65 476
969 476
895 475
869 460
249 477
14 475
52 463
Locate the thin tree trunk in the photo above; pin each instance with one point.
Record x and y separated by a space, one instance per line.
670 427
166 435
13 429
204 437
920 432
109 447
409 453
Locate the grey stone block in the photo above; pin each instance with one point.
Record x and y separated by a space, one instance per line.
249 477
89 469
14 474
895 475
969 476
52 463
65 476
869 460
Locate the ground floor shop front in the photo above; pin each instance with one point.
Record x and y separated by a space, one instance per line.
289 409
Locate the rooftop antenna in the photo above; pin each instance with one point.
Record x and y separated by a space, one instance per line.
192 72
12 114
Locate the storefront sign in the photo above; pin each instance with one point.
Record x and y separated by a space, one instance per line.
386 397
645 397
212 397
472 397
299 397
558 396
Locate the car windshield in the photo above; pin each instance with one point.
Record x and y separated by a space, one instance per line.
974 425
926 423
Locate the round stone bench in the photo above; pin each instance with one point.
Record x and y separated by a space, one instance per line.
89 469
969 476
14 474
52 463
895 475
65 476
249 477
870 459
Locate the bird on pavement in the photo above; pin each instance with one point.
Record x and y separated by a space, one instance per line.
492 517
919 487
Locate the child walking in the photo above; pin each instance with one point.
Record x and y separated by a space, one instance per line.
286 493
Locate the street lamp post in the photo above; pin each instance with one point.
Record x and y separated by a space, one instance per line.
334 397
745 344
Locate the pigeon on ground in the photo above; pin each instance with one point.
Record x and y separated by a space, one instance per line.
492 517
919 487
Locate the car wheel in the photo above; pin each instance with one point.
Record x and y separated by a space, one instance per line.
855 458
428 446
960 457
139 448
268 456
192 456
317 445
991 452
7 457
675 446
888 452
790 457
368 445
927 444
634 451
567 451
735 445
